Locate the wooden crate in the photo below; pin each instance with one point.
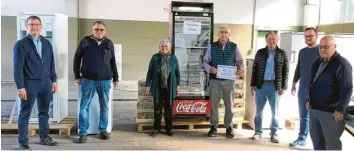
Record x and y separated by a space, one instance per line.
64 127
190 124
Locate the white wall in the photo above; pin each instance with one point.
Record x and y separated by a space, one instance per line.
14 7
226 11
278 13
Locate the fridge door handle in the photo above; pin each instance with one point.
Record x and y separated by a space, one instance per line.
293 55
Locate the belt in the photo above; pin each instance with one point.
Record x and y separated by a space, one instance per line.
268 81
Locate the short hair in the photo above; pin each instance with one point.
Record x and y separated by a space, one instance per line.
165 41
312 28
225 26
33 18
99 22
271 32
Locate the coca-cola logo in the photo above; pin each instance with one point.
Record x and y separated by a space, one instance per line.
196 107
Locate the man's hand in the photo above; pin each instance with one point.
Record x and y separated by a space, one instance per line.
78 81
281 91
240 72
213 70
253 90
147 90
308 105
115 83
338 116
22 94
54 87
293 90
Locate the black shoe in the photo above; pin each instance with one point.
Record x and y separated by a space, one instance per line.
48 141
82 139
25 147
155 133
169 132
229 132
274 138
105 135
212 131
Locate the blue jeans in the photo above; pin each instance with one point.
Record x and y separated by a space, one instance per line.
40 90
267 91
88 89
303 96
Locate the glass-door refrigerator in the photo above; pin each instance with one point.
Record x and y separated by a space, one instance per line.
190 33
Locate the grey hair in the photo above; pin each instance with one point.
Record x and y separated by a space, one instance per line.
225 26
165 41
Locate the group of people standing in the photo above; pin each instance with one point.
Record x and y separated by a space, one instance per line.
324 93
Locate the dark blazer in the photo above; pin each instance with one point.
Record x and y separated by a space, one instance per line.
281 68
152 78
333 88
29 66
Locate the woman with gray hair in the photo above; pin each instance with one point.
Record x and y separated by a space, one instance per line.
163 79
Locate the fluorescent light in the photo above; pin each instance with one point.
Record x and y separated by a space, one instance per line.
191 8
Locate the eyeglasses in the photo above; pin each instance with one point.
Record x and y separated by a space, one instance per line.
309 36
224 32
96 29
326 47
33 24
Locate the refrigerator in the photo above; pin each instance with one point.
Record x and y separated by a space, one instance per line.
54 29
191 32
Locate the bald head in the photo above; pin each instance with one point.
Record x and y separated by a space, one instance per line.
327 47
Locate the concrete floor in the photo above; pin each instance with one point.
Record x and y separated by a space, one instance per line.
125 136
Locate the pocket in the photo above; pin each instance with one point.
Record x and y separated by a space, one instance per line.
107 55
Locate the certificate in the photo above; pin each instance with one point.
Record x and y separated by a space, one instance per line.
226 72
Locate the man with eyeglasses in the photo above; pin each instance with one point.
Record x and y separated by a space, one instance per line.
222 52
330 90
95 59
35 78
307 56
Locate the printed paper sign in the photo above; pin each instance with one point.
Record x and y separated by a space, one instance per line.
192 28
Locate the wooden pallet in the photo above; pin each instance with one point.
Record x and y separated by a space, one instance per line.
64 127
191 124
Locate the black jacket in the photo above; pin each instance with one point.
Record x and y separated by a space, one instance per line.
281 68
333 88
98 61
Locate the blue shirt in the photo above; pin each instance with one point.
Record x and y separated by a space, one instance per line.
269 72
307 57
38 44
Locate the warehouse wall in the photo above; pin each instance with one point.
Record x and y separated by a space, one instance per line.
139 24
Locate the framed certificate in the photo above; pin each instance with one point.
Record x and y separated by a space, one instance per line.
226 72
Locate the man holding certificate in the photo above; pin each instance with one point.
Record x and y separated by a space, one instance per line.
269 80
221 60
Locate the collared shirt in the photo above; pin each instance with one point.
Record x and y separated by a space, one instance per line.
269 71
38 44
320 70
207 58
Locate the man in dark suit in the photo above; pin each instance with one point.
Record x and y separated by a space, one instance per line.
331 87
35 77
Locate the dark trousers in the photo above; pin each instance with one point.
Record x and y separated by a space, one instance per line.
40 90
163 102
325 131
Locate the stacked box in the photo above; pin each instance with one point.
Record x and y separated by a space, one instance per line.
145 104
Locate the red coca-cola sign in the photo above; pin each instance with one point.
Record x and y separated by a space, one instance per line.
191 107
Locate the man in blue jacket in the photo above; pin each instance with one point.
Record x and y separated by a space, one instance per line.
95 59
35 78
331 87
